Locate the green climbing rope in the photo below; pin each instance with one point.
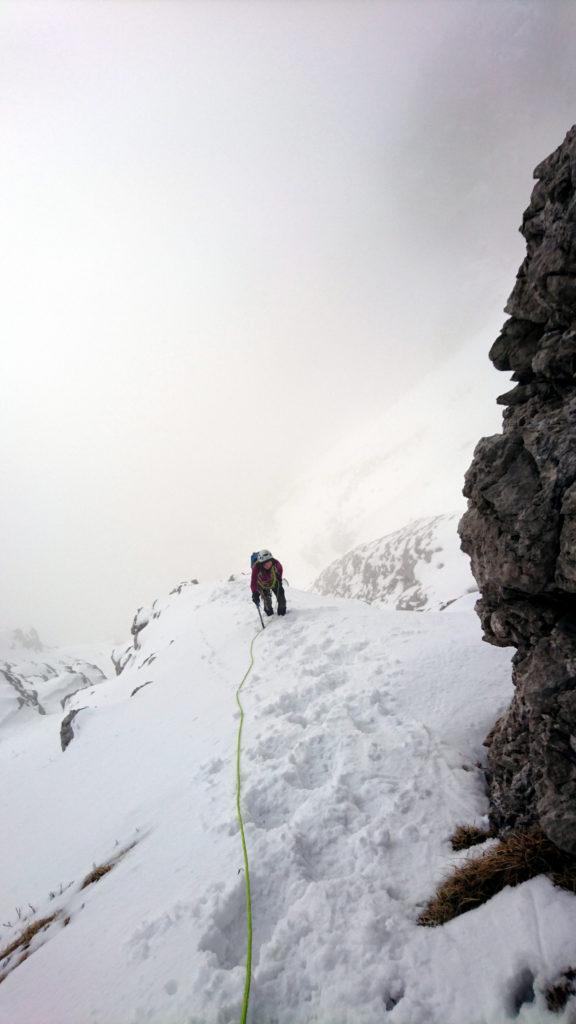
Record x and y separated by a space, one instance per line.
248 978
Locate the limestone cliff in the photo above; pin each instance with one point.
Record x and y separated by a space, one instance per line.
520 528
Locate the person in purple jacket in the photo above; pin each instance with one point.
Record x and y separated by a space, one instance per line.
267 580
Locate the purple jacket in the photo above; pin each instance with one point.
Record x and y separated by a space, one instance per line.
263 579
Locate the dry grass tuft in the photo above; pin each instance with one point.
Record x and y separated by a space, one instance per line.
97 873
517 858
469 835
558 995
22 943
25 937
565 877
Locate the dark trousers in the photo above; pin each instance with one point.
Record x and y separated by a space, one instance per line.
278 591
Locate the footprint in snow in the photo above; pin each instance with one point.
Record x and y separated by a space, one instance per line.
287 703
367 726
297 720
226 926
269 804
310 763
274 745
211 768
150 933
317 860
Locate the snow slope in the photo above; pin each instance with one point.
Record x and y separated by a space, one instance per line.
417 568
363 729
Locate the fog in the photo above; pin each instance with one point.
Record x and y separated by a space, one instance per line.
232 233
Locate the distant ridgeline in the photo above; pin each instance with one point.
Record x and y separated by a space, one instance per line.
417 568
30 640
20 639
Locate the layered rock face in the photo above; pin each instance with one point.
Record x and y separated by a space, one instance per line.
520 528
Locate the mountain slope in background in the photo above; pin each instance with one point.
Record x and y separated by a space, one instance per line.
361 740
407 464
38 680
417 568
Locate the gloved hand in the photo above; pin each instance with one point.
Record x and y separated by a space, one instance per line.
256 598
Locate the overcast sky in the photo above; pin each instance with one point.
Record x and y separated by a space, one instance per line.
231 232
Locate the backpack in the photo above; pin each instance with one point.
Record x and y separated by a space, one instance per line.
253 558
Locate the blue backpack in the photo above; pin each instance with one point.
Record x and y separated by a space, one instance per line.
253 558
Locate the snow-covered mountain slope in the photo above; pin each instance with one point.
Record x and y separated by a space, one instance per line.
406 464
417 568
37 680
362 733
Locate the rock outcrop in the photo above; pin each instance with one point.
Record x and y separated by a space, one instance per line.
66 728
520 528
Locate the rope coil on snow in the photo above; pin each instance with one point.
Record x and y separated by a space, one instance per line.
248 977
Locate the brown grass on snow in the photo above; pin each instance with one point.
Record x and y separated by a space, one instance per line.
517 858
469 835
98 871
558 995
25 937
23 941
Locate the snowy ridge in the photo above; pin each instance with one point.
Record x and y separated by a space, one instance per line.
35 680
417 568
363 731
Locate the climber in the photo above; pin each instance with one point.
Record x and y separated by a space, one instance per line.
267 579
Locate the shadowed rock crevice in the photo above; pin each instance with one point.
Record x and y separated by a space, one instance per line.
520 527
26 695
66 728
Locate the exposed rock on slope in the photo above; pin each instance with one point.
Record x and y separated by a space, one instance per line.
121 657
418 568
520 530
38 680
